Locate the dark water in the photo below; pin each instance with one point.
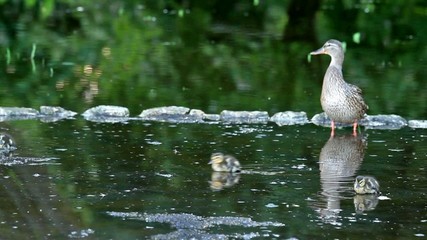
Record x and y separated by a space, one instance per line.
124 180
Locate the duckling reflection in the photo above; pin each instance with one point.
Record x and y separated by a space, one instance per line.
221 180
340 158
224 163
365 202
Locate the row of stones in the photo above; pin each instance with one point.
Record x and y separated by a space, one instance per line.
107 113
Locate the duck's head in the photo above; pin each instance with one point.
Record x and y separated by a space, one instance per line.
332 47
216 158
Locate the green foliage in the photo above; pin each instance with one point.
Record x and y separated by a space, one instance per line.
211 55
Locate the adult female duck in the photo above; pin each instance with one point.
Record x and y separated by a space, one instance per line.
341 101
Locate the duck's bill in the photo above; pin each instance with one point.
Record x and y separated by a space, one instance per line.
318 51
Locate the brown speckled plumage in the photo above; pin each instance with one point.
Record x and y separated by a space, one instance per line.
341 101
224 163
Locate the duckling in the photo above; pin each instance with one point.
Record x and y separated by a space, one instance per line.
7 144
366 185
224 163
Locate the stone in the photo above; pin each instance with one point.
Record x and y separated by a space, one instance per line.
18 111
169 110
205 116
174 114
321 119
381 121
56 111
244 116
191 221
212 117
53 114
417 123
197 113
107 111
369 121
289 118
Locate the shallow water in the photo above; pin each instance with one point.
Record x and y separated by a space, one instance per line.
148 179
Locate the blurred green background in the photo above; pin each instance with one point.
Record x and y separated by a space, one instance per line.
210 55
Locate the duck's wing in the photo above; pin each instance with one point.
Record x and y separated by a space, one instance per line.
233 164
355 88
358 95
373 184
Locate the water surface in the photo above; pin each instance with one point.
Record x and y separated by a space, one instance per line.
124 181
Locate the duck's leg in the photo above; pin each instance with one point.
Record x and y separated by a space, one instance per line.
355 128
332 128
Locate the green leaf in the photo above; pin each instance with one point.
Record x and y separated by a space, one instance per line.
33 50
309 57
8 57
181 13
356 37
47 8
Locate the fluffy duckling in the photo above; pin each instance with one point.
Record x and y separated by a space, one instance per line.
224 163
7 144
366 185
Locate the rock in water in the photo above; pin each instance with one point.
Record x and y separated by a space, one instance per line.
106 113
289 118
321 119
17 113
205 116
417 123
52 114
56 111
174 114
369 121
390 121
244 116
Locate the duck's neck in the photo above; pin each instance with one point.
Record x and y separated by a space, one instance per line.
333 75
337 61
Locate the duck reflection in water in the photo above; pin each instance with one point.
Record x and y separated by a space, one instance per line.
340 158
221 180
226 171
365 202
